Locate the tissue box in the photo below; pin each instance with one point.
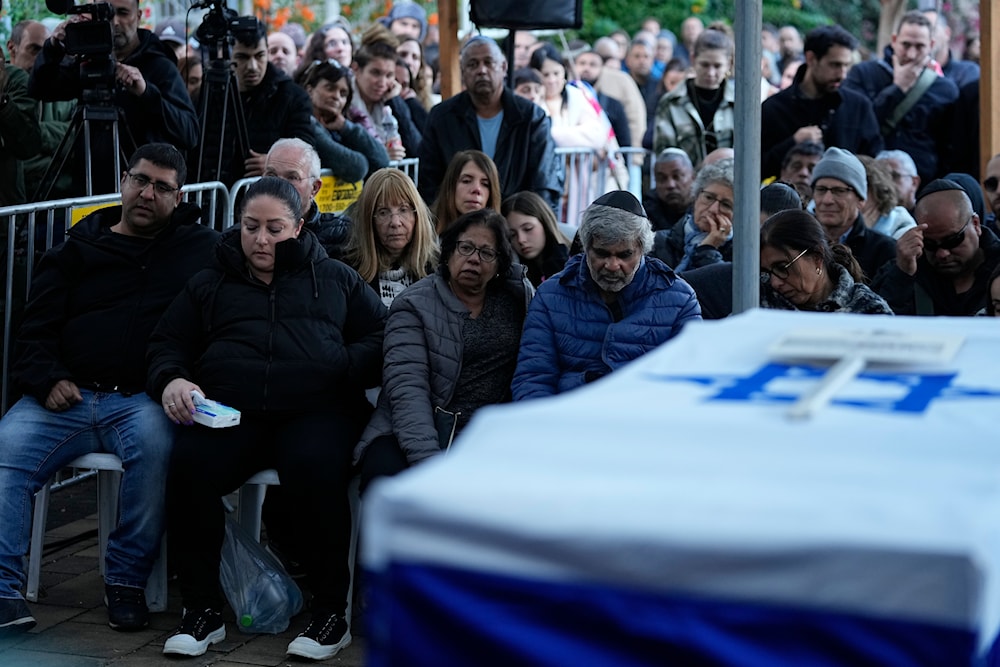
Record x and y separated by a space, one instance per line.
215 415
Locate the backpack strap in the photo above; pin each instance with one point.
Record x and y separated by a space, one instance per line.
924 82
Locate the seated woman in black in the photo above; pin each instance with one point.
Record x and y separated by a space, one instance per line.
291 338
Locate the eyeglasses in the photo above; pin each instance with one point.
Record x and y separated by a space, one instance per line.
466 249
384 215
947 243
820 190
725 205
780 270
990 184
288 177
140 182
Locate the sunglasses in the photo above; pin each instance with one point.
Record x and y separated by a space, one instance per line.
344 71
990 184
947 243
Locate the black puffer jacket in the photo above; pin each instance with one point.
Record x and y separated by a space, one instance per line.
310 340
96 298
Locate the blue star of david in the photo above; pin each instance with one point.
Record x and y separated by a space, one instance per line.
920 389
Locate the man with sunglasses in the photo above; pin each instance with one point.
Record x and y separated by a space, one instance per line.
943 263
80 362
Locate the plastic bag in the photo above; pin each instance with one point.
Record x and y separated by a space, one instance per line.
259 590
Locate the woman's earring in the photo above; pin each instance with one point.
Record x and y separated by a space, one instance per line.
819 271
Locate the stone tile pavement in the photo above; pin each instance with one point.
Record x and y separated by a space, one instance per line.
72 628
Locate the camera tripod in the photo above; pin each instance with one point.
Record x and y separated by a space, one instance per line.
222 122
99 121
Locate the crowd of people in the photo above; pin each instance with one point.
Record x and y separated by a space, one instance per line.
364 342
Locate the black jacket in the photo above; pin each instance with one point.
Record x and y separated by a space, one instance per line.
872 249
96 298
846 118
659 216
332 230
925 293
925 130
164 112
309 340
619 121
525 155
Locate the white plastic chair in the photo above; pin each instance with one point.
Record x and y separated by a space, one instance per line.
109 470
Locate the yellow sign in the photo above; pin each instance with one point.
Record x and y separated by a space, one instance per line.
335 195
78 213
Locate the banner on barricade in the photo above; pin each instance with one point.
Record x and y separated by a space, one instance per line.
336 195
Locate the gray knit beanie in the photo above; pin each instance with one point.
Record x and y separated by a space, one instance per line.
844 166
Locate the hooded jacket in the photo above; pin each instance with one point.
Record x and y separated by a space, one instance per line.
525 155
96 298
163 113
309 340
572 337
846 118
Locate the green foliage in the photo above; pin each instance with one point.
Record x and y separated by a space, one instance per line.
859 17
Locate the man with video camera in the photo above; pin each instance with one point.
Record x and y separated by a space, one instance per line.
146 86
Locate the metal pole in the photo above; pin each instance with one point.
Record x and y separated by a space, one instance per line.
746 239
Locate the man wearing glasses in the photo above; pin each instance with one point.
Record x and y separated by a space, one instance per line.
80 365
943 263
840 186
297 162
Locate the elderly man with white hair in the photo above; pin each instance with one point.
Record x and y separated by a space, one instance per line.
610 305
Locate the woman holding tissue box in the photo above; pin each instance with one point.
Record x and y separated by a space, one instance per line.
291 339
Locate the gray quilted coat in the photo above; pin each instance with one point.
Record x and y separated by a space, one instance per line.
422 351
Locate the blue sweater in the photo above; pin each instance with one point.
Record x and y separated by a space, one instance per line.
571 336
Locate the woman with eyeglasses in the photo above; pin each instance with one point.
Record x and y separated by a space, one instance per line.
393 243
451 346
344 147
699 115
332 41
705 235
470 183
801 270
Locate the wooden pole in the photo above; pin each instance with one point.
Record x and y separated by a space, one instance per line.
989 92
451 79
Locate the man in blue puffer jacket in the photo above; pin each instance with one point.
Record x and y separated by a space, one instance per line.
610 305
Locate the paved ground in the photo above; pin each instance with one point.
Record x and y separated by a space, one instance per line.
72 628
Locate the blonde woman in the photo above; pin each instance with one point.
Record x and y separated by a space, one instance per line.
393 242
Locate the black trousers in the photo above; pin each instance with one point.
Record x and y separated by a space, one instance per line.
312 453
382 458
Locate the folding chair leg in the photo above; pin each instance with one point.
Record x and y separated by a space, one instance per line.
38 518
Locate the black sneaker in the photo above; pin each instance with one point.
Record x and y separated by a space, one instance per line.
198 631
325 635
14 616
127 610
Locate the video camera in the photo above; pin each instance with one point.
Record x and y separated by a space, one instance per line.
87 38
220 24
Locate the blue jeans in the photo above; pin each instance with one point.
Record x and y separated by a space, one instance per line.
35 443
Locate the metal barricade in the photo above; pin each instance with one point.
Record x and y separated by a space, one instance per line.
410 166
25 242
636 158
581 182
